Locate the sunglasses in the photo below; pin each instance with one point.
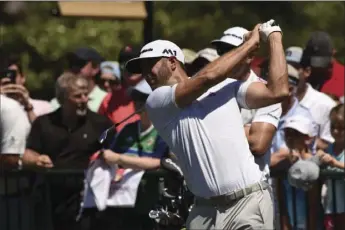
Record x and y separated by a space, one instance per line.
110 81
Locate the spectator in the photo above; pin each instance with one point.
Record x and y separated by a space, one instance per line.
279 150
126 53
326 73
118 105
14 128
203 57
335 216
110 76
66 138
189 57
293 56
139 147
148 143
13 86
318 103
86 62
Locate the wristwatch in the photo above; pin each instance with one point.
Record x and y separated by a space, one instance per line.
28 108
20 163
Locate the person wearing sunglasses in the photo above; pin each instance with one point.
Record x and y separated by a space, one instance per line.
110 76
117 104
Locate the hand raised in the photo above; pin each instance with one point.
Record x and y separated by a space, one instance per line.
268 28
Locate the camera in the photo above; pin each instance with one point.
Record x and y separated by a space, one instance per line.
10 74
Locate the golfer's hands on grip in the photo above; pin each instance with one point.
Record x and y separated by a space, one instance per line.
268 28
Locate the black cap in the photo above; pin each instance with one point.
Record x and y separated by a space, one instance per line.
87 54
319 50
78 58
128 52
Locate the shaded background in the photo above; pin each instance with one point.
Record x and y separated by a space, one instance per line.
41 39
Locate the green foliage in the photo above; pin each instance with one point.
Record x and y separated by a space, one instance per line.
42 39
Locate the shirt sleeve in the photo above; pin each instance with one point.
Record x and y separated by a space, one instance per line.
13 140
270 114
242 88
161 105
325 129
14 128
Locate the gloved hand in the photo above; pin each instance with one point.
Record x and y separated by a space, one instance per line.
267 28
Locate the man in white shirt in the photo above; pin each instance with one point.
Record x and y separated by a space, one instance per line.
14 127
260 124
199 119
319 104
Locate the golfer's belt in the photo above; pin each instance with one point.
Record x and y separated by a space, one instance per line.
232 196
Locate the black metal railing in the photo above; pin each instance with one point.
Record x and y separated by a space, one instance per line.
25 197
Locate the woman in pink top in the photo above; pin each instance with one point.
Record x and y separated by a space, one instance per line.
117 105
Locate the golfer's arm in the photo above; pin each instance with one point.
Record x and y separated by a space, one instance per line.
215 72
261 95
260 137
144 163
30 157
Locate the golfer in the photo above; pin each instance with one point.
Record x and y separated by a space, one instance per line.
200 120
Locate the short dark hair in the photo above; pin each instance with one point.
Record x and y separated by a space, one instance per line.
8 60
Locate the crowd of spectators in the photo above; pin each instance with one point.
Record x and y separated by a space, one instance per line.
92 94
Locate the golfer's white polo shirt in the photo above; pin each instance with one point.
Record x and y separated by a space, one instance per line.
14 126
271 115
319 105
207 137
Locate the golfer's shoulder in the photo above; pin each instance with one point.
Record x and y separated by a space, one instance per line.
161 97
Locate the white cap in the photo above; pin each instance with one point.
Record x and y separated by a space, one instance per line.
143 87
158 48
208 53
292 71
301 124
233 36
294 54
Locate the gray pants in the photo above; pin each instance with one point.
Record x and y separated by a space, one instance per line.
254 211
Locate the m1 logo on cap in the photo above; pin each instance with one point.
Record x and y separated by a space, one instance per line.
288 53
169 52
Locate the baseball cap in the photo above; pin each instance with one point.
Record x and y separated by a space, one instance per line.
87 54
294 54
209 54
141 91
111 67
189 55
78 58
155 49
319 49
304 172
128 52
293 75
233 36
301 124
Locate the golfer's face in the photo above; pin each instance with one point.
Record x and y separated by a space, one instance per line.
150 71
